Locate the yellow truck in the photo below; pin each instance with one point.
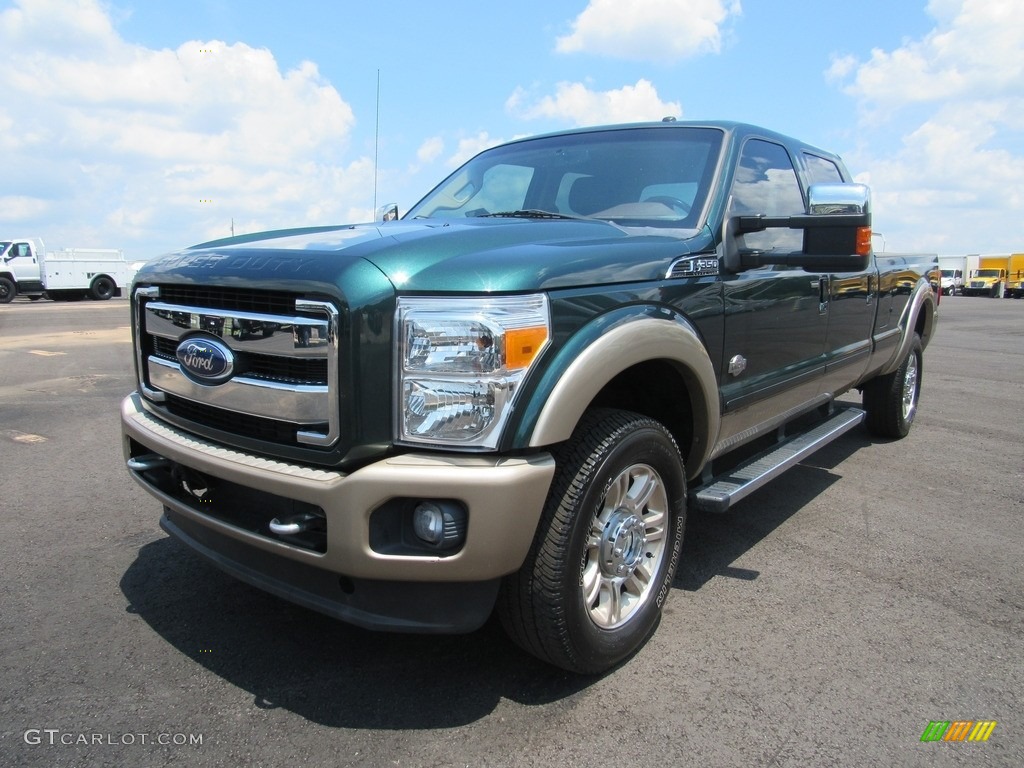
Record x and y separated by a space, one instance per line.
989 278
1015 277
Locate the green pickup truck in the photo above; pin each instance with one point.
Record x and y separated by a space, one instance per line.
509 398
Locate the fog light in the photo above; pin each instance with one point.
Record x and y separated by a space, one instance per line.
439 524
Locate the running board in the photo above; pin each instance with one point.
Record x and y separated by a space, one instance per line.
724 491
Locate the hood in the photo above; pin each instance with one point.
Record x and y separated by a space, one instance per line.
452 255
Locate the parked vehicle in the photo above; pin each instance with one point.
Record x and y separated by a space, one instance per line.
510 398
1015 277
989 278
953 270
71 273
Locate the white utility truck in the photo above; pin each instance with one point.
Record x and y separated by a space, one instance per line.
67 274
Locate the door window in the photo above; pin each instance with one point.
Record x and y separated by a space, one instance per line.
766 183
821 171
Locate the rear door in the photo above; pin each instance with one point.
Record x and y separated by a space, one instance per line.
852 302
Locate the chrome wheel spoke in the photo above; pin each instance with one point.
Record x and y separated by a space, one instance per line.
592 581
638 581
643 487
613 604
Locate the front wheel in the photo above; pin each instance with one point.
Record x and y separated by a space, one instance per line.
606 551
8 290
891 400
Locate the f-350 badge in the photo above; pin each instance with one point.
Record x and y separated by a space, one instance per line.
694 266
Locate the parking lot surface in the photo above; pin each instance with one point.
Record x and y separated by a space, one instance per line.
827 620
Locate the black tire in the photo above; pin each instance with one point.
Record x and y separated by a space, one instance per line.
102 288
891 400
593 585
8 290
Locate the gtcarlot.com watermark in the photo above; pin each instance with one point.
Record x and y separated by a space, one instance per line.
57 737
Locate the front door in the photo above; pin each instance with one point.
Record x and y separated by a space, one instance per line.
776 317
22 261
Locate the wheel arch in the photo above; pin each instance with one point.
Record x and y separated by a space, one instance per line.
920 316
643 360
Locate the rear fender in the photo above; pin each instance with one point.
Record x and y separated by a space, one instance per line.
921 311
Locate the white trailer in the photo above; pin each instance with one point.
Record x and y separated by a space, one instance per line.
71 273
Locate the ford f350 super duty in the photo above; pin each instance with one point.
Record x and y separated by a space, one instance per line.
509 398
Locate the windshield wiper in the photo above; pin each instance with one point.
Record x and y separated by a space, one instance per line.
531 213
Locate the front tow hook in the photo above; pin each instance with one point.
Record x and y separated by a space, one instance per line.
147 462
300 523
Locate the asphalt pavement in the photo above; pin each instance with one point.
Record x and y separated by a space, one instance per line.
828 619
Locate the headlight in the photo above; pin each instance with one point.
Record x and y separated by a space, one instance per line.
461 362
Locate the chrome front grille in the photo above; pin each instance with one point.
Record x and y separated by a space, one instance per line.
283 385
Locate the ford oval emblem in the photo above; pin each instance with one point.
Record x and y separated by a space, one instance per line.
209 361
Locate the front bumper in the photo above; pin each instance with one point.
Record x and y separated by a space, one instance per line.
345 576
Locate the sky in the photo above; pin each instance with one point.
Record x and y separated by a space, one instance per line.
151 126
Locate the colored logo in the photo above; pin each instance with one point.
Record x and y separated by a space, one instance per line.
958 730
207 360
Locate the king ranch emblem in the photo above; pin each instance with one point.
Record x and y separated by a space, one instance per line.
207 360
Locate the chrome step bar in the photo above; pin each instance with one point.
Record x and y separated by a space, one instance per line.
724 491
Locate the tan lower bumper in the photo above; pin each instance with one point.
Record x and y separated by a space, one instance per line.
504 497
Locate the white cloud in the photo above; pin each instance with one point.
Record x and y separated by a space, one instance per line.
649 30
471 146
163 146
430 149
577 104
955 96
975 50
16 208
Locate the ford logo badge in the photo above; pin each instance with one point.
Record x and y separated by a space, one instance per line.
206 360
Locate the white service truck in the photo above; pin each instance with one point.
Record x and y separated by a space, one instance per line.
954 270
67 274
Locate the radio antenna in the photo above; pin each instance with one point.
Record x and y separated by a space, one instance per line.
376 143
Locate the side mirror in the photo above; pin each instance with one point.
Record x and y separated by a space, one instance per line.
837 232
387 212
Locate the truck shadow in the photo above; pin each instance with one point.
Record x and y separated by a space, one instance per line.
328 672
715 541
340 676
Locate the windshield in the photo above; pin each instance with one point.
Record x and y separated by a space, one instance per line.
635 177
988 273
4 245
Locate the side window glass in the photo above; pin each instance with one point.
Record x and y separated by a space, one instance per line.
766 183
822 171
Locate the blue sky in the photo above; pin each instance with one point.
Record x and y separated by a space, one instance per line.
149 126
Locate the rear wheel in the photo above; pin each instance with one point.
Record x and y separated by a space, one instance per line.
891 400
602 563
102 288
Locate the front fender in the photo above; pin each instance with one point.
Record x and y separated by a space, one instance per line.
603 349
